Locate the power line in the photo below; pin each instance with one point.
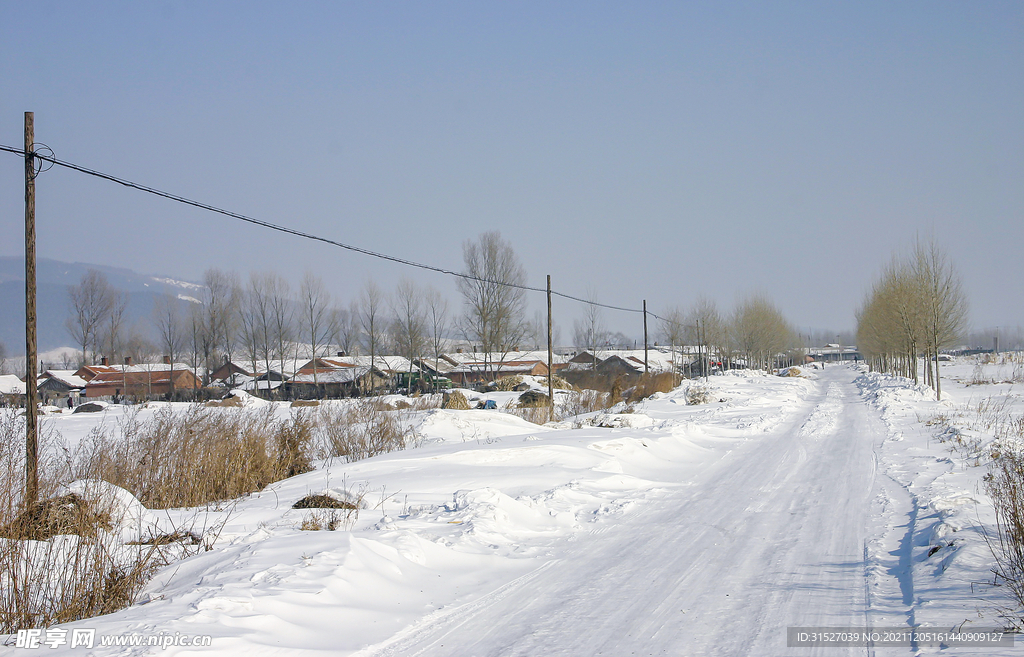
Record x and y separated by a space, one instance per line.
298 233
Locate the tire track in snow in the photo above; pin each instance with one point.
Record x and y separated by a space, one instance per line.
770 536
422 637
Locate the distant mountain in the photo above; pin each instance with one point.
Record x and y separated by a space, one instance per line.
53 278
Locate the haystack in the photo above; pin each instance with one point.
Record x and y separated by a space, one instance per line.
455 401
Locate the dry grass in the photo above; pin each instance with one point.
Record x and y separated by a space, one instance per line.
328 513
585 401
59 559
648 384
1004 484
326 519
534 414
197 456
358 430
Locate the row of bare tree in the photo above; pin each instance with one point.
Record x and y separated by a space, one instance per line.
756 331
263 320
917 308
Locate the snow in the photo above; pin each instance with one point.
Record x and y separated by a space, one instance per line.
659 528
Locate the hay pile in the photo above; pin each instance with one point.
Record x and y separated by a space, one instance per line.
455 401
67 514
559 383
508 383
533 399
321 501
227 402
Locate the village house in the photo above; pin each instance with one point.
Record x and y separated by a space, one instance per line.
477 372
56 386
336 377
12 390
141 384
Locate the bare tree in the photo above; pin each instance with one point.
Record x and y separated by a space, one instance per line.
315 304
409 324
673 331
345 328
112 326
945 306
138 346
760 331
3 358
437 321
221 294
252 308
918 306
170 329
89 304
706 329
372 321
194 337
495 301
589 332
282 319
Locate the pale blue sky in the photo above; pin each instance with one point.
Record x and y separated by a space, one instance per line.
659 150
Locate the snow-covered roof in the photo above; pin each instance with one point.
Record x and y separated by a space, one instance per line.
512 356
11 385
67 377
338 375
513 367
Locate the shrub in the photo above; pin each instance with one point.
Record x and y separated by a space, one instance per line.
1004 484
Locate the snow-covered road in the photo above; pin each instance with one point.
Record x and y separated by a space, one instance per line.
771 535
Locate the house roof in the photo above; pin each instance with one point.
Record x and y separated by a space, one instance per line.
384 364
336 375
11 385
658 359
67 377
245 367
508 367
512 356
137 378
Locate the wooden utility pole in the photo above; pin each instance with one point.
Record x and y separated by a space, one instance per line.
646 368
31 373
551 371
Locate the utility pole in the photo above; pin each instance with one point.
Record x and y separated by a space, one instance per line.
551 371
31 373
645 337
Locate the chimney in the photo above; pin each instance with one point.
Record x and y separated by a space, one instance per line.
104 361
341 354
167 360
128 360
